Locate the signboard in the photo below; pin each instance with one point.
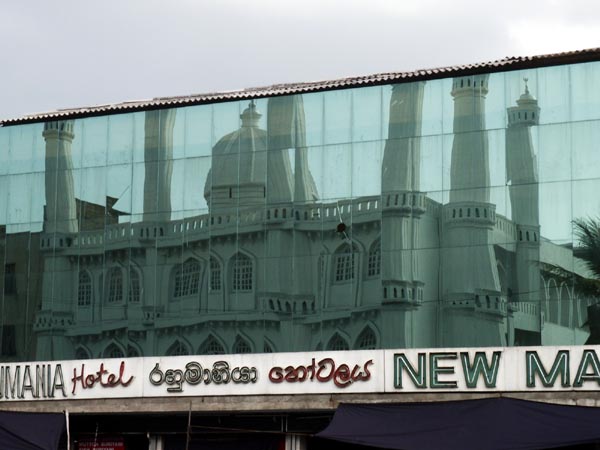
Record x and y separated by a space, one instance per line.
104 443
369 371
494 369
247 374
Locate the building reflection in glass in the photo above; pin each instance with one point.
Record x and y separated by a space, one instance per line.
300 223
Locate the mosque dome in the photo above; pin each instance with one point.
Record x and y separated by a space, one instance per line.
239 162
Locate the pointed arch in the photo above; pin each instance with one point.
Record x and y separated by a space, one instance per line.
268 346
374 259
178 348
133 350
82 352
367 339
241 345
337 342
212 346
186 279
85 288
242 272
114 350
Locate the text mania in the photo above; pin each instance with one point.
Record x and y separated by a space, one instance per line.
37 381
545 368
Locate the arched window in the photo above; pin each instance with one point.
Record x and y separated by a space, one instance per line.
178 349
187 279
82 353
344 263
113 351
115 285
241 346
367 340
374 261
215 275
337 343
132 352
211 347
84 290
241 271
135 286
267 347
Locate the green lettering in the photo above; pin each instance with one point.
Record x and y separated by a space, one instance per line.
535 367
417 376
435 370
480 367
589 360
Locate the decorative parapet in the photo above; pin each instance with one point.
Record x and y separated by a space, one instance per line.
472 213
409 293
150 314
528 235
57 241
47 320
405 202
492 303
287 304
309 215
527 316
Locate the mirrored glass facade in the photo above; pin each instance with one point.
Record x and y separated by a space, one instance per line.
439 213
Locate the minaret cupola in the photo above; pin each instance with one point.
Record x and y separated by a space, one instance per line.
527 111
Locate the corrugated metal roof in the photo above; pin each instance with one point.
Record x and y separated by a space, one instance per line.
506 64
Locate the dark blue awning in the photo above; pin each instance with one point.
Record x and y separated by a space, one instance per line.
493 424
30 431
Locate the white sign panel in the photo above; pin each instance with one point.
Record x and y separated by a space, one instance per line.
373 371
213 375
493 369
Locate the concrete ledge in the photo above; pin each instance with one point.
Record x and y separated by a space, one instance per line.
278 403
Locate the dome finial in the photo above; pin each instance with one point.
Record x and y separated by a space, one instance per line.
250 116
525 79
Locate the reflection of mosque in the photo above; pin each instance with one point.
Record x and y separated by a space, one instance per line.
272 268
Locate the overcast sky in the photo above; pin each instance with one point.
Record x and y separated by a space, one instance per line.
70 53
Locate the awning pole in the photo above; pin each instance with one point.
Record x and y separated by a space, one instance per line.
68 430
189 426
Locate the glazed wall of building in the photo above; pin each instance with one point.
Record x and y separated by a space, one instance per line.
427 214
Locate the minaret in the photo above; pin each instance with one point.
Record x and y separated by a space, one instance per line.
286 130
158 159
521 168
403 205
61 209
59 223
289 265
402 155
474 307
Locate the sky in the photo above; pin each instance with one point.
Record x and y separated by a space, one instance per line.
73 53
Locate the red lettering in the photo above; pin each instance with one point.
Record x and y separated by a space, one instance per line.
276 375
323 365
325 370
77 378
121 372
342 376
89 381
